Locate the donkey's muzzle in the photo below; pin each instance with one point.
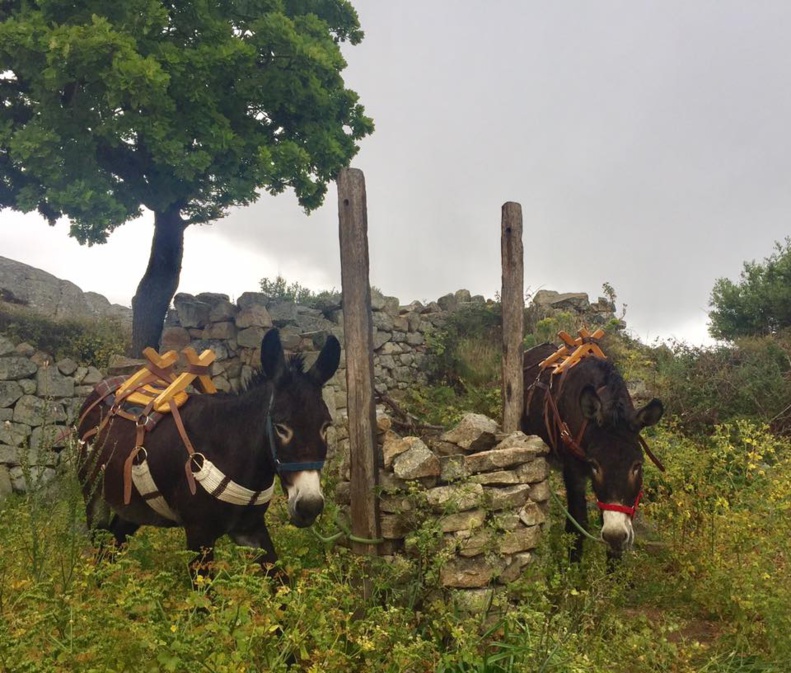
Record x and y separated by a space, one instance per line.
306 509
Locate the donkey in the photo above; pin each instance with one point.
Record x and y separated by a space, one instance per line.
235 445
587 418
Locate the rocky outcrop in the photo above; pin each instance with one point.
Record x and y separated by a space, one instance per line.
58 299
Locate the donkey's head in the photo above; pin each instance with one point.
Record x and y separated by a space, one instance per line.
297 423
615 457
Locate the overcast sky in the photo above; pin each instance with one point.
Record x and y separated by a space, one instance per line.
649 144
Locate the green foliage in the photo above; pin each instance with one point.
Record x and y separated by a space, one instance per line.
705 386
110 106
465 350
759 304
90 342
706 590
279 290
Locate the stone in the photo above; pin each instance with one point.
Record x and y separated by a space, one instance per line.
475 432
394 446
534 471
14 434
14 367
220 330
249 299
461 497
520 439
499 478
394 504
392 526
507 497
47 438
251 337
51 383
468 573
474 518
10 392
255 315
50 296
514 569
540 492
491 461
222 311
452 468
121 365
532 514
34 411
174 338
472 601
6 488
418 461
519 540
479 542
447 303
191 311
92 377
7 346
67 366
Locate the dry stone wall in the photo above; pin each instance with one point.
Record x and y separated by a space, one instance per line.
39 398
487 493
37 392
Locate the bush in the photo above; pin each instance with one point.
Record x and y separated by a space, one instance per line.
90 342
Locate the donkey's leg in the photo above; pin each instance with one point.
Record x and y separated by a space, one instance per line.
256 536
122 529
578 509
202 543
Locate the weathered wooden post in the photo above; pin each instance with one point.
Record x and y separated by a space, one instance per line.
358 335
513 304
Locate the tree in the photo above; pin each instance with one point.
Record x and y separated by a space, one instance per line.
185 108
759 304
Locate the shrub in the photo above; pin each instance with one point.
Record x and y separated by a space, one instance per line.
88 341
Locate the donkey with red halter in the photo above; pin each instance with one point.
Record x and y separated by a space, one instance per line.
584 413
210 466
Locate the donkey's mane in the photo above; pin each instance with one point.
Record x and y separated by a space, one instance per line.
615 396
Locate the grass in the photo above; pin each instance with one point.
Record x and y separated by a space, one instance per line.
709 593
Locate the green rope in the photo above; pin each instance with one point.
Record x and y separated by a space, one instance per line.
572 519
344 532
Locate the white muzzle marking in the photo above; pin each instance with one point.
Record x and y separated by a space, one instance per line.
305 499
617 530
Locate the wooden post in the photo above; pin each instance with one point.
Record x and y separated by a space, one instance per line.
513 303
358 335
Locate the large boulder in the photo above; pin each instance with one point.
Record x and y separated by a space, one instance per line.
59 299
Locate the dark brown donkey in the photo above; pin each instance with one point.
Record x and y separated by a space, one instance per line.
223 482
587 418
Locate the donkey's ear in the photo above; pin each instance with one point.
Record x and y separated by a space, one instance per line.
648 415
273 360
327 362
590 404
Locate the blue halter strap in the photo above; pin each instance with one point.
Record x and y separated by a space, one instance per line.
285 467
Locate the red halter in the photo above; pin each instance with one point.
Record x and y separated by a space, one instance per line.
612 507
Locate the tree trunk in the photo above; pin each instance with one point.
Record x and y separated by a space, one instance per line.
160 281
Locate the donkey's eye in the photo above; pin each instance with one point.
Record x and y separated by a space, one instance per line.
323 431
595 468
637 469
284 432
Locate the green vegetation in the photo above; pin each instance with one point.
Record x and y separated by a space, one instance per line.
279 289
89 342
707 589
186 109
760 303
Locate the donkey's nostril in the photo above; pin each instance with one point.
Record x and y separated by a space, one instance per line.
615 537
306 509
